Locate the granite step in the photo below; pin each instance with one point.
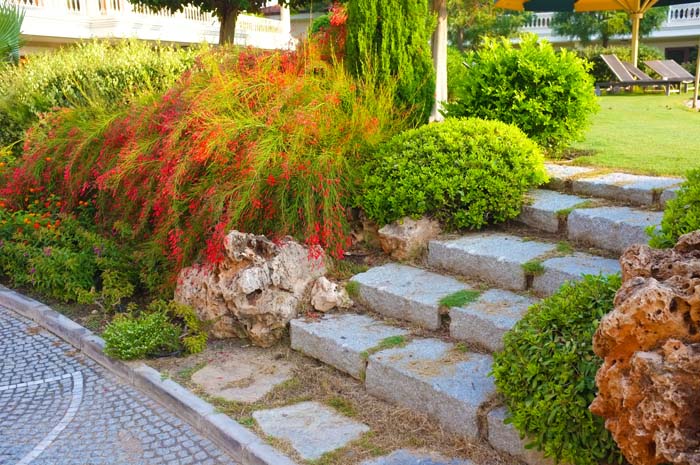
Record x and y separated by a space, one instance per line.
405 292
611 228
547 210
561 176
505 438
485 320
435 378
513 263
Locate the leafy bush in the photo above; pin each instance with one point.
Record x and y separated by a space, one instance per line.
80 73
547 370
681 215
269 143
455 69
151 334
601 72
465 172
547 94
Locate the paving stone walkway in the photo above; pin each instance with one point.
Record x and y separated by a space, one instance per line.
59 408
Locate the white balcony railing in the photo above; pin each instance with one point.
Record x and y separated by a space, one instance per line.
56 21
683 21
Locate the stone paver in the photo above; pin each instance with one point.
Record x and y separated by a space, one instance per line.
495 258
487 319
436 378
342 341
561 175
611 228
668 194
624 187
60 408
545 211
311 428
243 374
505 438
558 270
405 292
406 457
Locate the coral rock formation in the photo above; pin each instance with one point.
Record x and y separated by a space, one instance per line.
649 384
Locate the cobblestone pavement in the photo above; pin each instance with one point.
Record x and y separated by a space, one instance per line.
57 407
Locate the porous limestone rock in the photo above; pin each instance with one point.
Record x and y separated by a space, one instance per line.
406 238
326 295
255 291
649 384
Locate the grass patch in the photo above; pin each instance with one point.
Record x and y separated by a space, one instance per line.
341 270
248 422
533 268
564 248
387 343
460 298
365 443
353 288
651 134
343 406
187 373
564 212
461 347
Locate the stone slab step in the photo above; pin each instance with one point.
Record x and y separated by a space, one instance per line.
342 341
405 292
624 187
492 257
547 210
611 228
486 320
407 457
561 176
505 438
435 378
558 270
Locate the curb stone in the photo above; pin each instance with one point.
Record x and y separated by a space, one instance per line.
241 444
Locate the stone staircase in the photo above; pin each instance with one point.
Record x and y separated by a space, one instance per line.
573 227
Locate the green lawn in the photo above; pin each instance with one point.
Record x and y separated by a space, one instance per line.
643 133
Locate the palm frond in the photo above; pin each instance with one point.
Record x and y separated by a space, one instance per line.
11 18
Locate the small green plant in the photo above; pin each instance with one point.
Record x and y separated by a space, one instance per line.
467 173
681 215
546 93
546 373
533 268
353 288
129 338
390 342
460 298
187 373
343 406
564 248
248 422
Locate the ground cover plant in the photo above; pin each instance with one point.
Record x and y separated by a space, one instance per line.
681 215
465 172
644 133
546 93
75 75
546 373
262 142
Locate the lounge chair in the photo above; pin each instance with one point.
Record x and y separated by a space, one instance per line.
669 69
629 75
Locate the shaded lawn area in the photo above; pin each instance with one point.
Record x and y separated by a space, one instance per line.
643 133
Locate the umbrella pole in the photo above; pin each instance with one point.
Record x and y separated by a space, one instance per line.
636 18
697 77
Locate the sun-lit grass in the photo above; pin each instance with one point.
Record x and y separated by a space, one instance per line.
643 133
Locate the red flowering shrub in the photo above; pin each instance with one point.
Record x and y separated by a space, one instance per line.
269 143
330 37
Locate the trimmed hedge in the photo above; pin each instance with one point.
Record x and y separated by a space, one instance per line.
465 172
682 214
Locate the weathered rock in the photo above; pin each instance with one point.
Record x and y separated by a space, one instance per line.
649 384
326 295
255 291
406 238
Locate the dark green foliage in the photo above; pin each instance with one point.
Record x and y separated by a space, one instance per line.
320 23
547 369
388 40
128 337
465 172
73 76
682 214
547 94
601 72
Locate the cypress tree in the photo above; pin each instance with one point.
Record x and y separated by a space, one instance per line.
389 41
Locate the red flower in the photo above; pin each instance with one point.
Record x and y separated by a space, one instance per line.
271 181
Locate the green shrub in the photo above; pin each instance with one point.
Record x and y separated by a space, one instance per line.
547 370
681 215
464 172
151 334
77 74
547 94
455 69
601 72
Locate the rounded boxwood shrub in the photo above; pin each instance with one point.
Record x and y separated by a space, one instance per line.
465 172
546 372
546 93
681 215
